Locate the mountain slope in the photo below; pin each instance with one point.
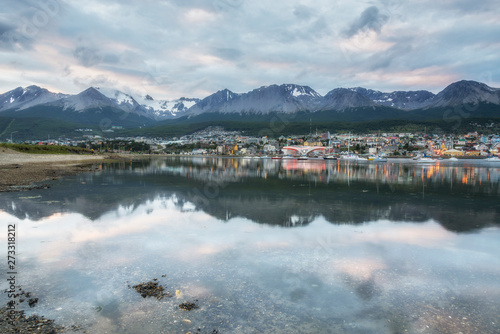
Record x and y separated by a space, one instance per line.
406 100
466 92
214 102
22 98
104 107
89 98
284 98
343 98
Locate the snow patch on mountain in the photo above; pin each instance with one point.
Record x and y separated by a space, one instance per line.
147 105
116 95
397 99
164 109
287 98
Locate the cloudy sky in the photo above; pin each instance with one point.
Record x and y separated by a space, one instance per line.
174 48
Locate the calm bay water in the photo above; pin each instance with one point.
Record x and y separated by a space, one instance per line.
264 246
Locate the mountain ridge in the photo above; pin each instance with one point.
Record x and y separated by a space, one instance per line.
284 98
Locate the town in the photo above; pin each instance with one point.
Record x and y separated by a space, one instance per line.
217 141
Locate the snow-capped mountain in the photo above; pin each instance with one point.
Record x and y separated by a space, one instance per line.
22 98
89 98
465 92
284 98
343 98
147 106
98 97
461 92
163 109
398 99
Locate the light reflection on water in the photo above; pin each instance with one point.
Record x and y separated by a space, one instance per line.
351 263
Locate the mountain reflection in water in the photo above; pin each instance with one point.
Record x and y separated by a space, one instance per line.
460 197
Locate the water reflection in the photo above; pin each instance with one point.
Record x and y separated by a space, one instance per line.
461 196
373 248
382 276
402 171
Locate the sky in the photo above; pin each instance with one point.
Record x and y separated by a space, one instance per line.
180 48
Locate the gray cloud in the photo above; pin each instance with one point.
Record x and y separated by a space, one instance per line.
370 19
24 21
175 47
11 39
384 59
88 57
303 12
228 53
5 27
227 5
467 6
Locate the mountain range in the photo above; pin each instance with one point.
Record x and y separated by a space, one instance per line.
105 107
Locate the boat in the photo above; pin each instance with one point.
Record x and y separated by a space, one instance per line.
349 156
330 157
276 158
452 159
493 159
377 158
426 160
302 157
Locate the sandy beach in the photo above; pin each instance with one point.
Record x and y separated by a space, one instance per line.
19 171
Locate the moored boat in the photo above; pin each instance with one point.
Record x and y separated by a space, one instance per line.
493 159
350 156
377 158
426 160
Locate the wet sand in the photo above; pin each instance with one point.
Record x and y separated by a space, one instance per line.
20 171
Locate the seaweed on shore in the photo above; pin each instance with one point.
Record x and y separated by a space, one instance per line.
151 289
188 306
14 321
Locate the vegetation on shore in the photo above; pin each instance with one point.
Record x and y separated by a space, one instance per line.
46 149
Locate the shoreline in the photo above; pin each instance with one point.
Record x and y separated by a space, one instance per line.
25 171
22 171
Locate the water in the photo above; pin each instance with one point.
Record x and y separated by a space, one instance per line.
264 246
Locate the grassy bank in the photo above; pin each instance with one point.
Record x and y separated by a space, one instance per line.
46 149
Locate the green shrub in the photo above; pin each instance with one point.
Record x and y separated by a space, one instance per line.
46 149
